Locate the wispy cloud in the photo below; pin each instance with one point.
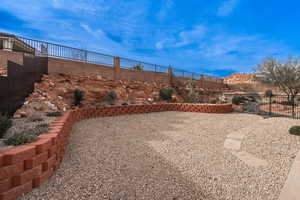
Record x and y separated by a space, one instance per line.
227 7
182 38
191 36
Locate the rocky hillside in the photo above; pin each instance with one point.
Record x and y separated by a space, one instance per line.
242 82
56 93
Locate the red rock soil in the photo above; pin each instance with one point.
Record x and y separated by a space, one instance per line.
55 92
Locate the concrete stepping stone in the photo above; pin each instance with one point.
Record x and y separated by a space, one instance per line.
291 188
232 144
250 159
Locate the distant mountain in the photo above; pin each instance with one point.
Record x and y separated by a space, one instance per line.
240 78
242 82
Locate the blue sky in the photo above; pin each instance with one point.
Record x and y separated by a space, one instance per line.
216 37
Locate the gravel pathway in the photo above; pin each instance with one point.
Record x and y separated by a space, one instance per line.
172 155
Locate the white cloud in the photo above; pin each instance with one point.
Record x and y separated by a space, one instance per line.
183 38
227 7
227 44
191 36
88 6
102 42
160 44
49 19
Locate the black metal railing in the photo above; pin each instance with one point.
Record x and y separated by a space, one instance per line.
126 63
42 48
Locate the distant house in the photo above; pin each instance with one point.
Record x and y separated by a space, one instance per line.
12 43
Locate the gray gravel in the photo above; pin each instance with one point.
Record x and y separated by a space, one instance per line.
171 155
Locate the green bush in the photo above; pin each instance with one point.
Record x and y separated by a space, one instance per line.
22 138
110 97
295 130
5 124
41 128
78 97
54 114
192 97
237 100
138 67
166 94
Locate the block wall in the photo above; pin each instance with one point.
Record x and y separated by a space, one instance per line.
25 167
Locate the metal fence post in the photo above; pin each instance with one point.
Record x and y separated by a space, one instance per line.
170 75
293 107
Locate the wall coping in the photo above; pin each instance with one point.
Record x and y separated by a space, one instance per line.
25 167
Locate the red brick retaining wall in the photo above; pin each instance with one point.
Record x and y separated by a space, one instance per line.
28 166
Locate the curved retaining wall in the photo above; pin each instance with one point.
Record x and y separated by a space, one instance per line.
28 166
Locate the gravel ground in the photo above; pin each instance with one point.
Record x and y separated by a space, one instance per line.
172 155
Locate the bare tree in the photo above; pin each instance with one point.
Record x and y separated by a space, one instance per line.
284 75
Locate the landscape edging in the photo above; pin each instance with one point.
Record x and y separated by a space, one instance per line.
25 167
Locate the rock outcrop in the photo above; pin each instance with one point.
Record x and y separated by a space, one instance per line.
56 93
240 78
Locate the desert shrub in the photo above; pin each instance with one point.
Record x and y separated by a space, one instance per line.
177 85
138 67
21 138
36 117
237 100
213 101
5 124
78 97
110 97
192 97
41 128
295 130
54 114
190 84
166 94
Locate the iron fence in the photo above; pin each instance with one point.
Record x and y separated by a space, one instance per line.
275 106
126 63
42 48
